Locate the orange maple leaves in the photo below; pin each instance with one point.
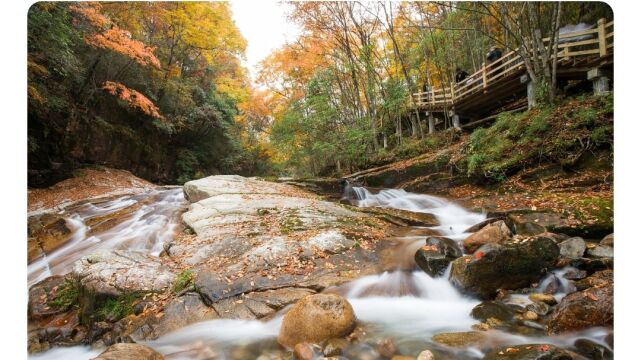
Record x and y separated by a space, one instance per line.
133 98
114 38
121 42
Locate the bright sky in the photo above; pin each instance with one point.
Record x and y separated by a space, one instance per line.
264 24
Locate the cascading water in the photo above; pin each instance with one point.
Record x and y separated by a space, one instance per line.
150 223
408 306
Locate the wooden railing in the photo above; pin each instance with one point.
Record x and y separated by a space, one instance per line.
598 44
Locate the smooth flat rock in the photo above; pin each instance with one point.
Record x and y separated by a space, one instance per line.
116 272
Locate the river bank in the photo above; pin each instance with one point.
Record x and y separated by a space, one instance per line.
251 249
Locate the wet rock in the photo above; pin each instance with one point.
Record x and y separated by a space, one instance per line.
46 233
460 339
607 240
598 279
426 355
305 351
496 232
583 309
183 311
431 262
434 257
572 248
540 308
529 228
42 297
592 265
386 347
407 217
477 227
507 266
575 274
361 352
543 297
593 350
129 352
600 251
531 352
58 329
553 286
317 318
117 272
334 347
493 309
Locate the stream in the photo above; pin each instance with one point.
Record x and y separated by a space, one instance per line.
406 306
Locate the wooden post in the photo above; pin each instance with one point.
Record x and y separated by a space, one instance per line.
432 125
602 40
453 94
433 96
484 75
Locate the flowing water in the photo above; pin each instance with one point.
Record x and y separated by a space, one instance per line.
407 306
142 222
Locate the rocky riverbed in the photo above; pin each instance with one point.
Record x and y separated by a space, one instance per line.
257 269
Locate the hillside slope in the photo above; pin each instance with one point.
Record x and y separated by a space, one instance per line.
556 161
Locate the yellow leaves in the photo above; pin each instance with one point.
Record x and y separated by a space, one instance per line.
114 38
35 95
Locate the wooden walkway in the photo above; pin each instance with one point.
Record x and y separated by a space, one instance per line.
489 88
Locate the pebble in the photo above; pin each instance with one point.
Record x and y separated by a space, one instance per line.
426 355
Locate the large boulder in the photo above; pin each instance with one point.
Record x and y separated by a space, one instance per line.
531 352
495 232
126 351
583 309
317 318
504 266
434 257
572 248
113 273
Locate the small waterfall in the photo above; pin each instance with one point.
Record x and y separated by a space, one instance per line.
145 229
405 305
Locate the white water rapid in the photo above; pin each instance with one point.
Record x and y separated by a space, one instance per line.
408 306
150 222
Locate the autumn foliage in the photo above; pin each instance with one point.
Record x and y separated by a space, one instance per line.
133 98
114 38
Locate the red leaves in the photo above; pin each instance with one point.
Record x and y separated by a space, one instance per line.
478 255
544 348
135 99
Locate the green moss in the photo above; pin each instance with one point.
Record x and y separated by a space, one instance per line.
474 163
67 295
183 280
116 308
291 222
602 134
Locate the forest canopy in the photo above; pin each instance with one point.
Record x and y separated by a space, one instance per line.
340 93
154 87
